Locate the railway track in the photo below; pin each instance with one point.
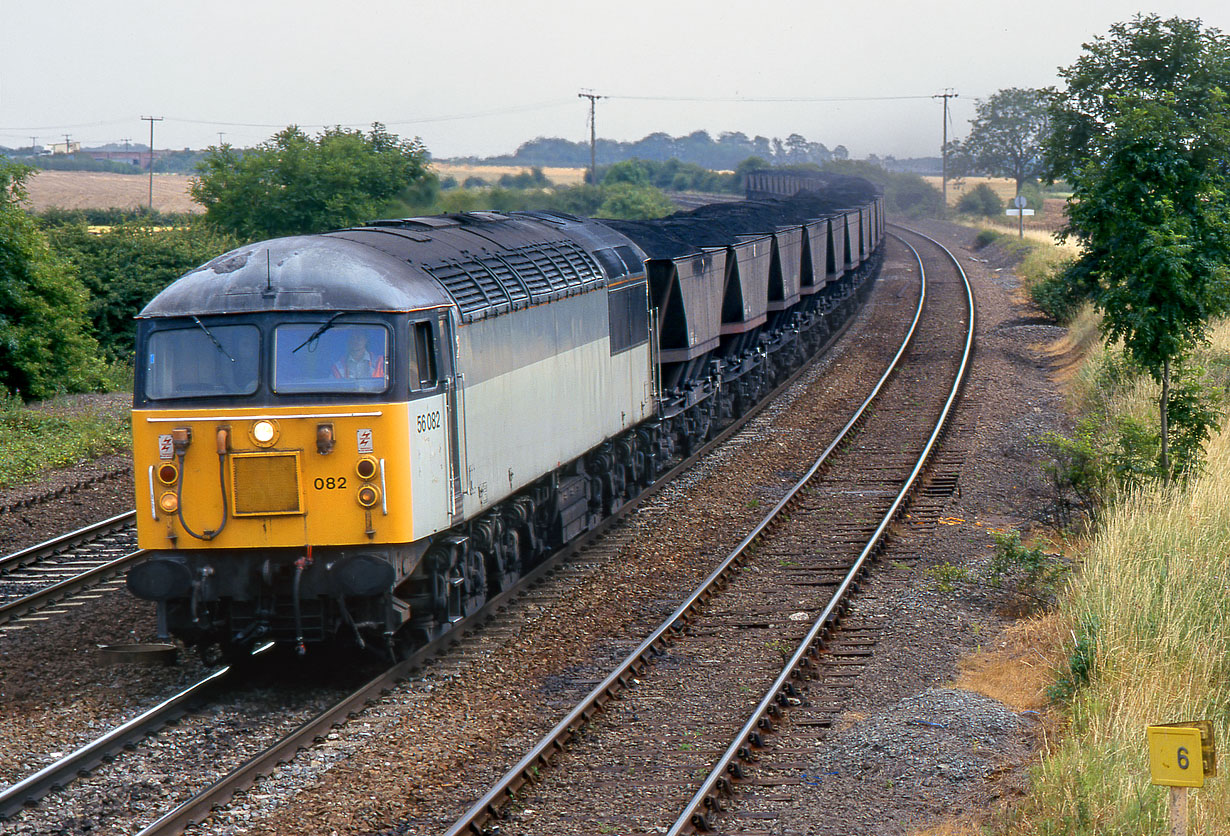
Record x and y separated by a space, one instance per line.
69 571
108 746
688 726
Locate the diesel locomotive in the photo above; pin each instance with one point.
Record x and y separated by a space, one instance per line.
362 435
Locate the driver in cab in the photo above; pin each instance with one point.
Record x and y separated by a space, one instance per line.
359 362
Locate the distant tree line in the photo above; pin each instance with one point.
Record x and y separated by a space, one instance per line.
699 148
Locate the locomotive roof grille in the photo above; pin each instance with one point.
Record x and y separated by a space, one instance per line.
516 278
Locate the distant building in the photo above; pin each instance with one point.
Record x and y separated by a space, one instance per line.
137 158
65 147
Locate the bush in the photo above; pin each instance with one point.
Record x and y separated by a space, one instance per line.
45 344
1058 297
532 179
981 200
295 184
113 217
1029 572
671 174
126 267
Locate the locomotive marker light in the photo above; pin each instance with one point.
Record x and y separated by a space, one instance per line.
1181 755
369 495
168 502
264 433
366 467
167 473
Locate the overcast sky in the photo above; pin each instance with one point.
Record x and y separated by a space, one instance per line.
479 78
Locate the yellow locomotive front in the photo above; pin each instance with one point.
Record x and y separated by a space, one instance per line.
291 462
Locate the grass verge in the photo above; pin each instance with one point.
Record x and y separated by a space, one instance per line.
1143 625
33 441
1146 643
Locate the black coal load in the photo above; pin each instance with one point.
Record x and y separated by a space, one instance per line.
718 224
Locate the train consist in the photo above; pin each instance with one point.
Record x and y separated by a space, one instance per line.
363 434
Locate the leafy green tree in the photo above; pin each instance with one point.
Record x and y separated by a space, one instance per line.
295 183
1006 135
45 344
626 200
127 266
1150 209
1141 133
1146 57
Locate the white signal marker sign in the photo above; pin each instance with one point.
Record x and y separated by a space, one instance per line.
166 450
365 441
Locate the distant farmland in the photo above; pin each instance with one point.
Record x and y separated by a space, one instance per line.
103 190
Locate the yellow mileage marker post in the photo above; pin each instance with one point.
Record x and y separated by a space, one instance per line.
1181 755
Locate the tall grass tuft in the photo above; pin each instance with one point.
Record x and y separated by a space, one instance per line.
1148 624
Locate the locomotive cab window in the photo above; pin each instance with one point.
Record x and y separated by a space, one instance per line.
202 361
424 367
324 357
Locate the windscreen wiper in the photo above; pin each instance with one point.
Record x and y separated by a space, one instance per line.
319 331
212 338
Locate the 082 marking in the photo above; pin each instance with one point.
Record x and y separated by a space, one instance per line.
330 484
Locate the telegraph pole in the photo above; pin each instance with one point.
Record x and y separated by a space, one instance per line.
151 120
946 95
593 135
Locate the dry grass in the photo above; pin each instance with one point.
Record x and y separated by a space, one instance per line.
952 827
1004 187
104 190
1042 225
1020 665
558 176
1153 603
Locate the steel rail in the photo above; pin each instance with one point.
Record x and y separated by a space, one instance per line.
692 818
78 583
33 788
43 550
218 793
473 819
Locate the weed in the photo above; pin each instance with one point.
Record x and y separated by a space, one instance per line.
781 647
1080 662
32 441
1030 572
947 576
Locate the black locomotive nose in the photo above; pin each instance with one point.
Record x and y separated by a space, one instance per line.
159 579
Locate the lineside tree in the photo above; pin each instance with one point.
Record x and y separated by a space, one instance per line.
1143 138
45 343
1006 136
295 183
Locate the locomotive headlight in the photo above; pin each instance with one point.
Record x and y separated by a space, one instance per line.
366 467
264 433
167 473
168 502
368 496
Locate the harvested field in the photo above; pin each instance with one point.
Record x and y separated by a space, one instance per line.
491 173
104 190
